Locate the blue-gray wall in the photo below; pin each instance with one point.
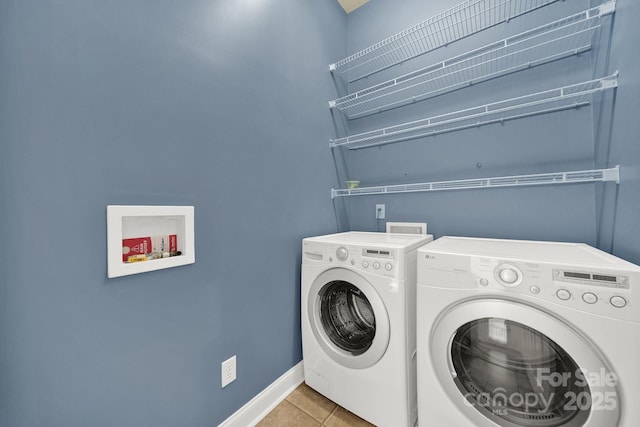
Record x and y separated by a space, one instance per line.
603 215
220 104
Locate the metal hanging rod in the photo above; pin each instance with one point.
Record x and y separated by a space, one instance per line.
552 100
572 177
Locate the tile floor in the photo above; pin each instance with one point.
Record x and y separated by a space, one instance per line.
305 407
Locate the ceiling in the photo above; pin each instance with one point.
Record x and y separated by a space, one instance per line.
351 5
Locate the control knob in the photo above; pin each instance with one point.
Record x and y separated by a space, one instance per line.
342 253
508 275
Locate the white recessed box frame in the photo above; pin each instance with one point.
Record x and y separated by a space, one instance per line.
139 221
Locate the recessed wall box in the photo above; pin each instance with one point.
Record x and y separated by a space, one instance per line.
156 225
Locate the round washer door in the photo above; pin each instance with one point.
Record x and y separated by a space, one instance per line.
348 318
509 364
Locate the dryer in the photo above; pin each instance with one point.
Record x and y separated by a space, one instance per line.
525 333
358 322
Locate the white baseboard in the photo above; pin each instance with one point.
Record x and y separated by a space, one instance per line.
258 407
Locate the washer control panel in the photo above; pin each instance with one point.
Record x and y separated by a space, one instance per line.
381 261
602 292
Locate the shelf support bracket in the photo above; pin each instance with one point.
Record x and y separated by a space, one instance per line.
612 174
607 8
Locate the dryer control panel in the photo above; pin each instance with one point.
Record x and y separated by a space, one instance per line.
600 291
573 275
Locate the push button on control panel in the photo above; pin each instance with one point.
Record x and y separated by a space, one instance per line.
376 265
388 267
589 298
563 294
618 301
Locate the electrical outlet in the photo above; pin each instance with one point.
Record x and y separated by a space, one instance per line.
228 371
380 212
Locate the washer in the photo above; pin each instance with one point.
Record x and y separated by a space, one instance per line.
358 322
523 333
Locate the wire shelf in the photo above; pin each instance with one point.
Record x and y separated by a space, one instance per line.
548 101
559 39
572 177
453 24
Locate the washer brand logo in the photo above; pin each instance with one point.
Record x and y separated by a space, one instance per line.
427 256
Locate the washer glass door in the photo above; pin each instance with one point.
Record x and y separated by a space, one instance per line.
522 368
348 318
505 368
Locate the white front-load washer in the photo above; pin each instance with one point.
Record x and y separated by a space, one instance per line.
524 333
358 322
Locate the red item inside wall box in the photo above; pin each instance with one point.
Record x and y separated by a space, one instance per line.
135 246
147 245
